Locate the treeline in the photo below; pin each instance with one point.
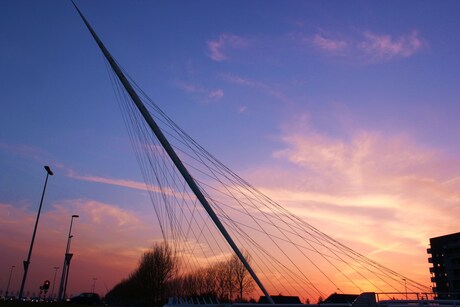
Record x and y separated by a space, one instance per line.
159 276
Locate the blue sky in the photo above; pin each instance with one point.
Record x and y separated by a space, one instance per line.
354 105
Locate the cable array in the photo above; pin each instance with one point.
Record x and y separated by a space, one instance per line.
290 256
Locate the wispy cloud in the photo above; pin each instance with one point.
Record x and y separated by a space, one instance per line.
386 47
372 191
122 183
242 109
268 89
24 150
217 94
213 94
328 44
217 49
364 45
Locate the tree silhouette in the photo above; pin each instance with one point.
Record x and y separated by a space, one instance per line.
158 276
243 281
148 285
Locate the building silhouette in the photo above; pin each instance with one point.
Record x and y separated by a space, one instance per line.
445 272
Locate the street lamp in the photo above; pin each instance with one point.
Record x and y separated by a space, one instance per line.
65 266
27 262
54 280
68 257
9 279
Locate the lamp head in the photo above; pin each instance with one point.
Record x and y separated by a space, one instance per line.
75 216
48 170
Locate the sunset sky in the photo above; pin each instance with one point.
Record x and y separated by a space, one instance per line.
344 112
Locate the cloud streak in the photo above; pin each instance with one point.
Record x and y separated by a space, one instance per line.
31 152
365 45
219 48
213 94
328 44
130 184
267 89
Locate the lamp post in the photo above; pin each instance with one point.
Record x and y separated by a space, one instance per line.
68 257
9 280
54 281
27 262
65 266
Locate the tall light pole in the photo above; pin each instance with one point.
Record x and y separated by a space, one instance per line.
65 266
68 257
54 280
9 280
27 262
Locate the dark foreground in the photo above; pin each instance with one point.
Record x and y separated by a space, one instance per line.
40 304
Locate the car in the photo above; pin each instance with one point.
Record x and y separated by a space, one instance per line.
86 298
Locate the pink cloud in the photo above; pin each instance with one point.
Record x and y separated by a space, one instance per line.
328 43
242 109
24 150
266 88
371 191
218 48
215 52
386 47
107 242
365 45
122 183
214 94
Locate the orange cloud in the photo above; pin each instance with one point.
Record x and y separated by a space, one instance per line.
384 196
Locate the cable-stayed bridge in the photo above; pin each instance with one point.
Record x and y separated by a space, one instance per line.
207 212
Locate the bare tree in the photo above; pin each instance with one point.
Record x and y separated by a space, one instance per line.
221 281
209 277
148 285
243 280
